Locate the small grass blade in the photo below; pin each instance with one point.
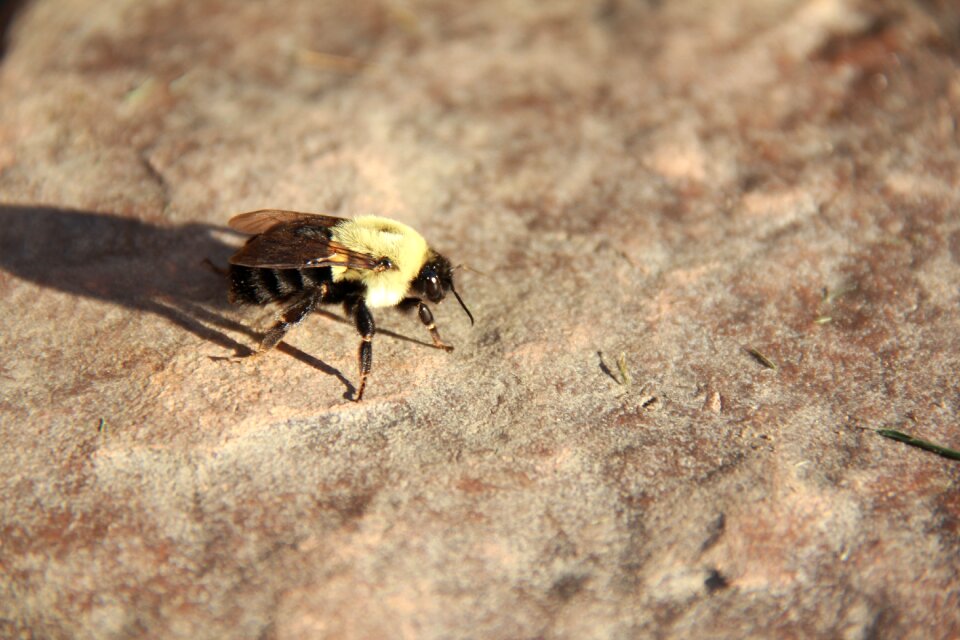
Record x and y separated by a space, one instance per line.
762 359
622 366
905 438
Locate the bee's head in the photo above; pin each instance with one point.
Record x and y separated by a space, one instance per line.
435 279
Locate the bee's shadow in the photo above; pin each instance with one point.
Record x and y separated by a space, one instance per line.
142 266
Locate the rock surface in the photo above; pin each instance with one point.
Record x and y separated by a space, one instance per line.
677 182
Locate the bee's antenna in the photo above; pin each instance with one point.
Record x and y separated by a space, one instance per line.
460 300
468 268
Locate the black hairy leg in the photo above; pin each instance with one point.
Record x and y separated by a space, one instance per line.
220 271
365 326
426 317
289 318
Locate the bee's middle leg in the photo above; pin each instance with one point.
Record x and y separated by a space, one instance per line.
366 328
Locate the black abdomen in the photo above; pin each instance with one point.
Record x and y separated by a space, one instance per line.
252 285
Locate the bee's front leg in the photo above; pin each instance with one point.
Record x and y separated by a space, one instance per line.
366 328
426 317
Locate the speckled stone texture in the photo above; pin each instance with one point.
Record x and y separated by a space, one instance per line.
676 182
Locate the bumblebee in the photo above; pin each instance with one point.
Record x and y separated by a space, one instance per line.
303 260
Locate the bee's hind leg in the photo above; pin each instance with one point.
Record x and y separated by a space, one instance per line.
289 318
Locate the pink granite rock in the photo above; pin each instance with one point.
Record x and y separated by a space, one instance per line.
676 182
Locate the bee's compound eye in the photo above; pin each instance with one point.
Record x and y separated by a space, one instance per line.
433 289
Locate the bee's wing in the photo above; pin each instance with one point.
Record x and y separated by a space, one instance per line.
254 222
299 246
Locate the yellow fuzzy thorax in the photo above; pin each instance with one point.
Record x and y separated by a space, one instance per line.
383 238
